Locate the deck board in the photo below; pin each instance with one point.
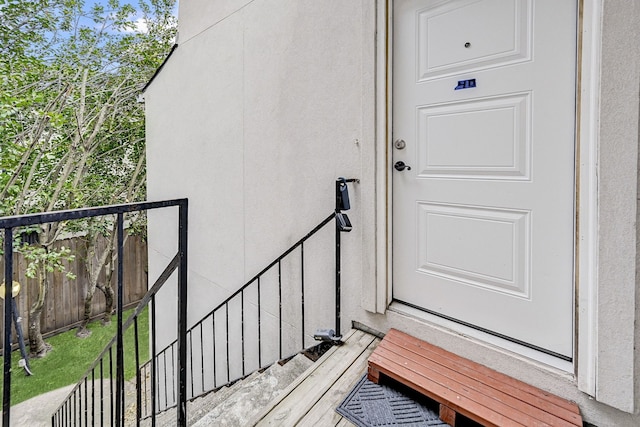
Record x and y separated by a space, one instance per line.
467 388
323 412
507 384
312 398
485 394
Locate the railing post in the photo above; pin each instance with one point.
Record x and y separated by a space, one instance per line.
154 368
120 343
182 313
6 351
338 266
342 224
138 376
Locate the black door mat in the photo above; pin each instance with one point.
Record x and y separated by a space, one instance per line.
379 405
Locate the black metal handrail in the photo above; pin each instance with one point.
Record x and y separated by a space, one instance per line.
212 336
72 410
166 356
167 380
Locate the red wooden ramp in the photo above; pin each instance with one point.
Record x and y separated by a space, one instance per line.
468 388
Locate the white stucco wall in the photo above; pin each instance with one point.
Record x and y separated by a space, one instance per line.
253 118
266 102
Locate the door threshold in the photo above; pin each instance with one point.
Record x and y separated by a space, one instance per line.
485 338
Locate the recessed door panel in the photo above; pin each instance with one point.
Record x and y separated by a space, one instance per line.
479 139
452 245
470 34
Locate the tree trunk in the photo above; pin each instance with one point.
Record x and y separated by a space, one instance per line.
109 297
107 289
37 346
94 265
83 332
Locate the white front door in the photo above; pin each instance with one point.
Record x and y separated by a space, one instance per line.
484 115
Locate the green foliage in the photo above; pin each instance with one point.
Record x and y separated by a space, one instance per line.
50 260
71 129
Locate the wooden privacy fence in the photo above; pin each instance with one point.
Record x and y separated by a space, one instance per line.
64 307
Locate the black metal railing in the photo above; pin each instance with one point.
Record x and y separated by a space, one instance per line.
86 404
211 340
266 320
238 336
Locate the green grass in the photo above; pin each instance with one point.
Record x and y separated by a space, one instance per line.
71 357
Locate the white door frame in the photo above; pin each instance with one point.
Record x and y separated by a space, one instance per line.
585 361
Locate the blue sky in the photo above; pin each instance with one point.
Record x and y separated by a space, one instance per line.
141 26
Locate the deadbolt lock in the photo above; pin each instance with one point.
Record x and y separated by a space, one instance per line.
399 144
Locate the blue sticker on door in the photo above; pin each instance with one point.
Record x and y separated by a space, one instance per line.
465 84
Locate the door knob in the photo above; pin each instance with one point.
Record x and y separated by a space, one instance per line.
400 166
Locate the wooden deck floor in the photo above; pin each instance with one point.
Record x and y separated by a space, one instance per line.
311 399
